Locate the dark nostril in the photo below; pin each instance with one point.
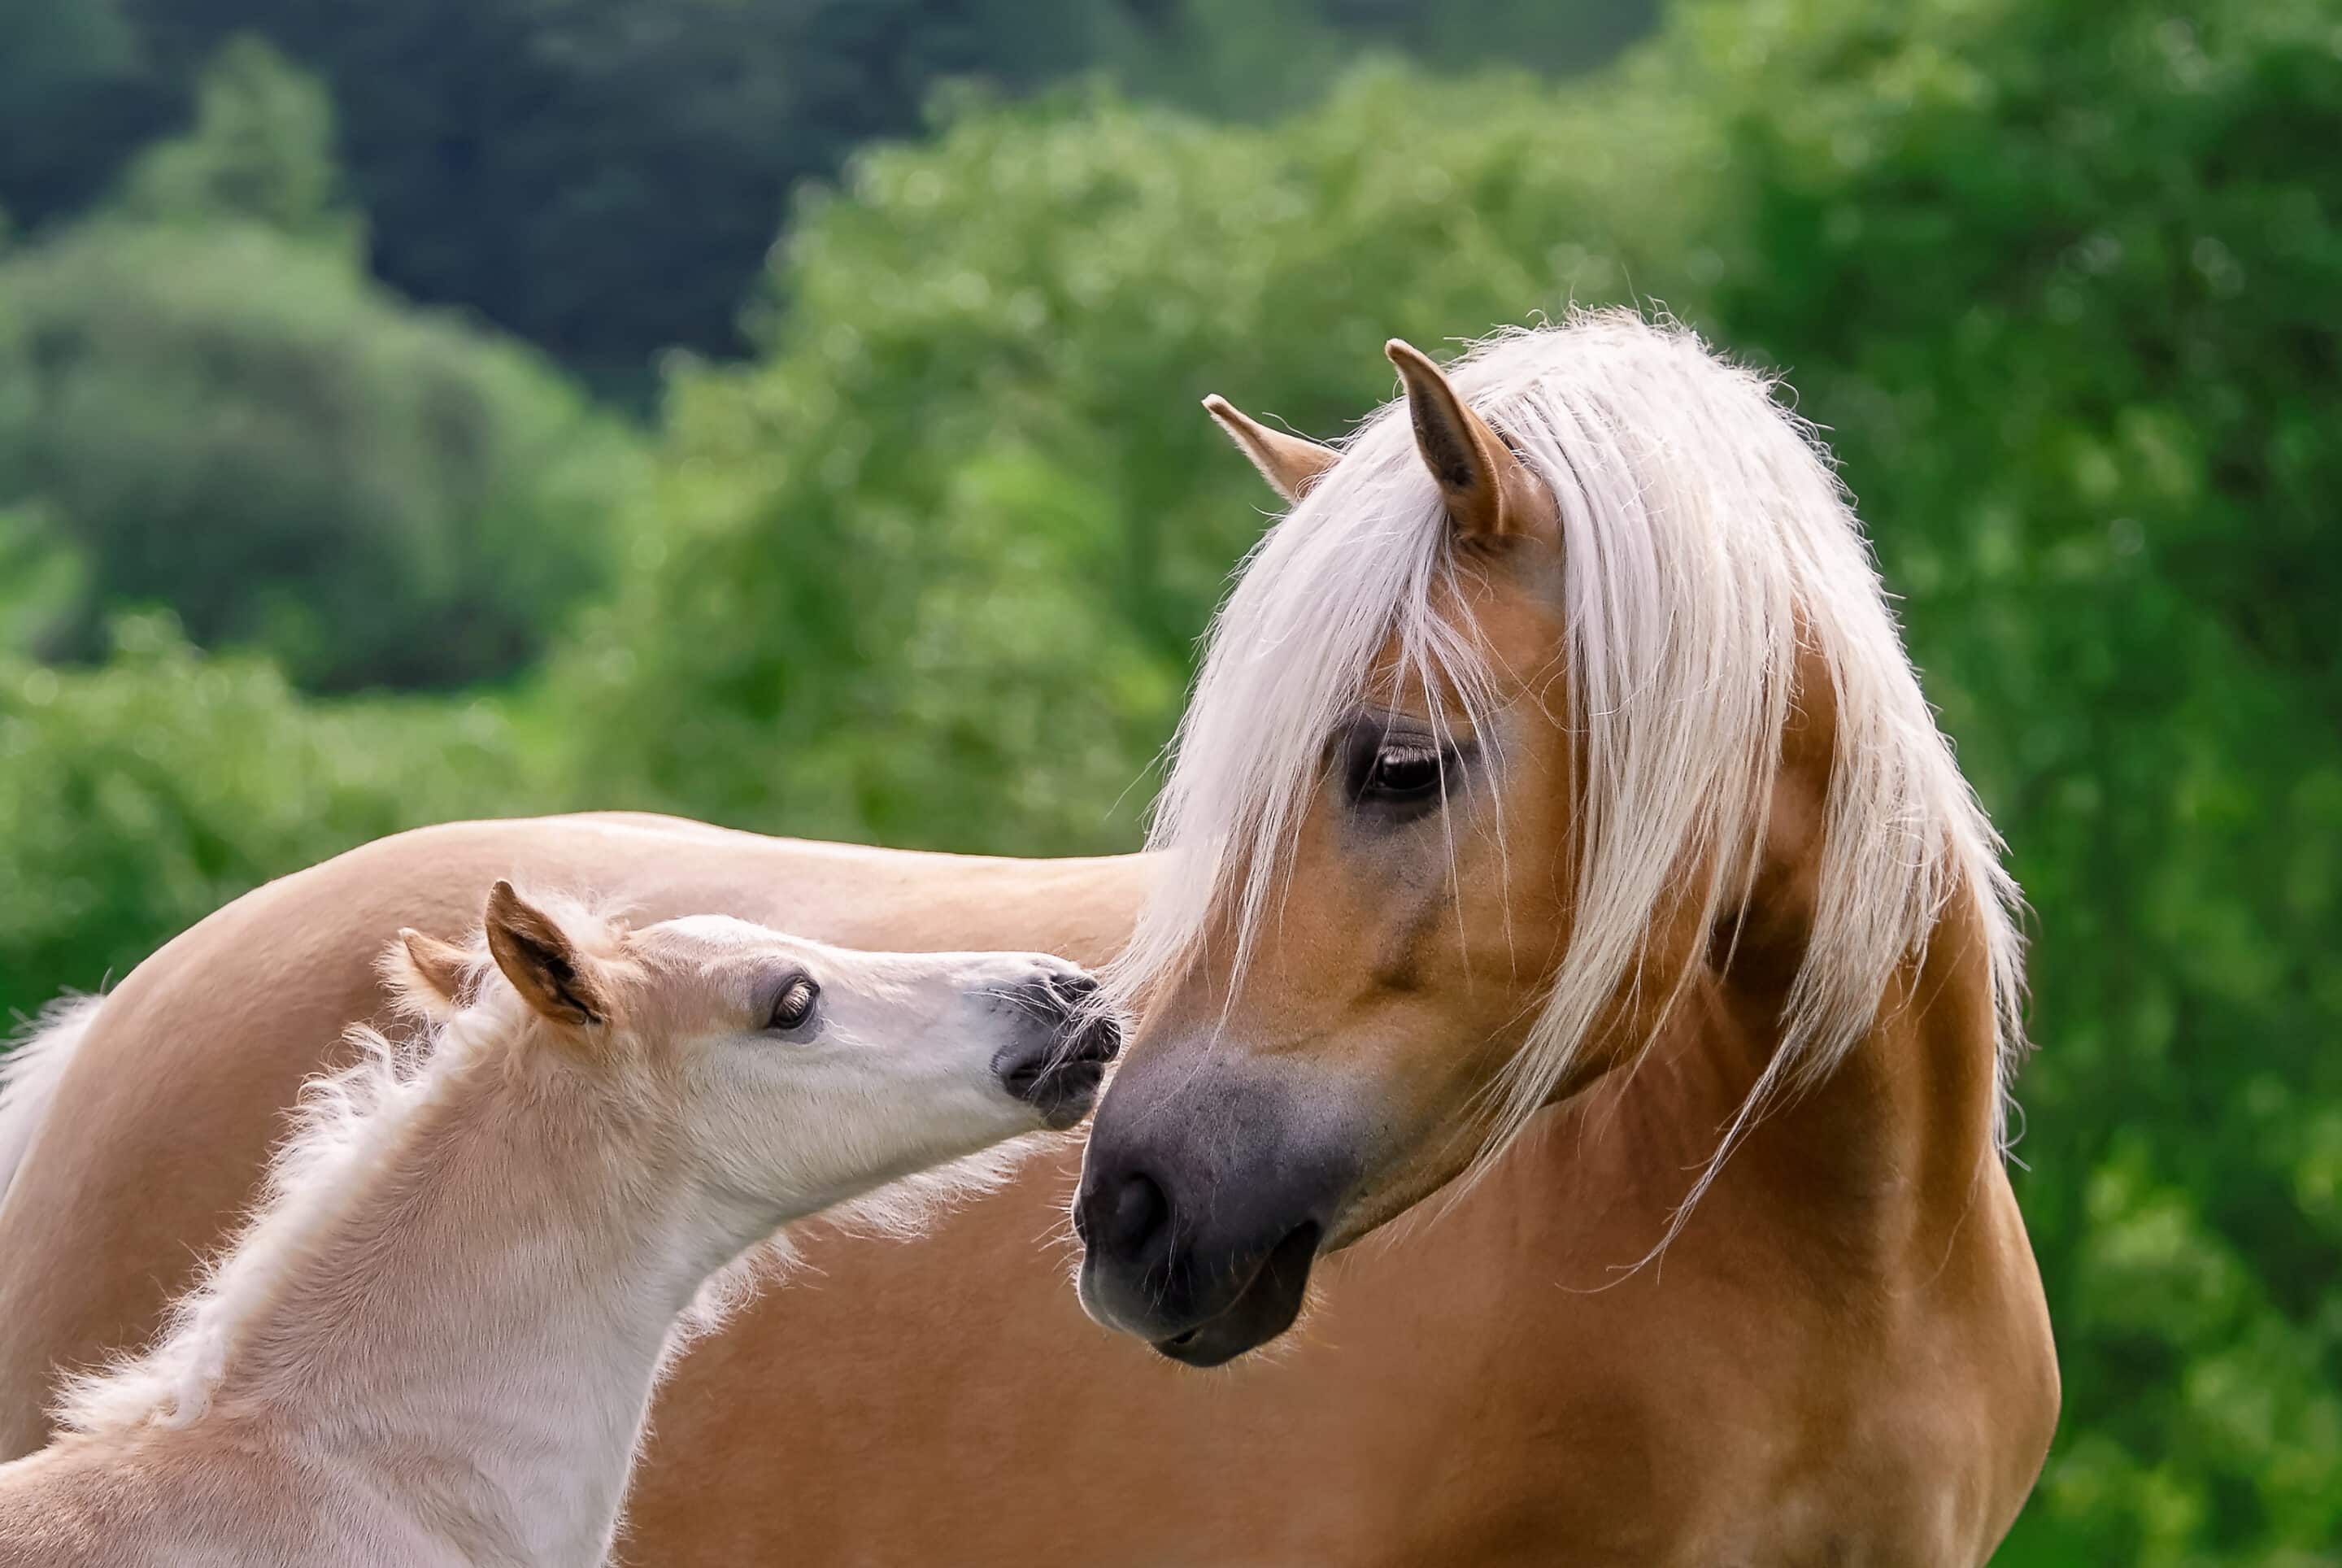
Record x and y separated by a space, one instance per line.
1100 1041
1071 989
1138 1214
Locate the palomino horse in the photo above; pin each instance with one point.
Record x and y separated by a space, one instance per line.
436 1339
1558 793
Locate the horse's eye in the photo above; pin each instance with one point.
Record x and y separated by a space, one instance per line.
1402 772
795 1004
1394 776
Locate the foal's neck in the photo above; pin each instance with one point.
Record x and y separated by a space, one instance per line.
486 1307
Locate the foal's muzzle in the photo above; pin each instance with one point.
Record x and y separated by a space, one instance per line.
1058 1059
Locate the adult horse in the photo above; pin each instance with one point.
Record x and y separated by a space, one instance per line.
1557 811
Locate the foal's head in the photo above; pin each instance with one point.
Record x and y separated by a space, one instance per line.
778 1076
1490 761
701 1082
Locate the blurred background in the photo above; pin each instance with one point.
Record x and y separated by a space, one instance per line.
783 412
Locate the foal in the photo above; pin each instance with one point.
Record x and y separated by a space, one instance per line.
436 1341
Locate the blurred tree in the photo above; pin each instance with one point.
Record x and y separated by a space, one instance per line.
202 395
237 425
933 571
605 176
1252 58
37 575
261 151
137 799
1456 34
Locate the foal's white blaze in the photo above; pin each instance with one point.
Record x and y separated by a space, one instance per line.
436 1339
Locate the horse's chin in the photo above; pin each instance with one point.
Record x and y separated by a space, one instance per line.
1266 1306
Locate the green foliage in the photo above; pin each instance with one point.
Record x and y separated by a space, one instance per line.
933 570
604 177
47 51
2061 280
1249 58
237 425
73 100
37 573
137 799
261 152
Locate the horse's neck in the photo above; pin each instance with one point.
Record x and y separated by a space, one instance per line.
1883 1156
1915 1109
1878 1163
489 1310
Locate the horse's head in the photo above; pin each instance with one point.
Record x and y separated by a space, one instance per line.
1325 1053
1479 770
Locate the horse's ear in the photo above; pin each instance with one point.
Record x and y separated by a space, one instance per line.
427 974
1290 464
1490 495
552 974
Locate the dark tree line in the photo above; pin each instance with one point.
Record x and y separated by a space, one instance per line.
605 176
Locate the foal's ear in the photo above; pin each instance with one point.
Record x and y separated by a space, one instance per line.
1490 495
1290 464
553 975
427 973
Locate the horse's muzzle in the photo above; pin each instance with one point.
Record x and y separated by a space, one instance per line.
1200 1212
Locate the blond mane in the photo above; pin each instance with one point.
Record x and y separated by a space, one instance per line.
1705 537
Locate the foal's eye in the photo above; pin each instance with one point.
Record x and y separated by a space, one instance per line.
795 1004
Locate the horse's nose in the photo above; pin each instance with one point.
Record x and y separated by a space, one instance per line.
1201 1206
1127 1218
1123 1218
